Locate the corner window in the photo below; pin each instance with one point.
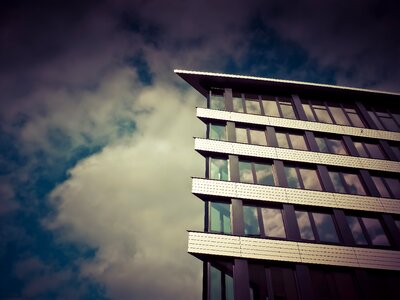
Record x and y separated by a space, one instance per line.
219 169
217 132
221 282
217 100
220 217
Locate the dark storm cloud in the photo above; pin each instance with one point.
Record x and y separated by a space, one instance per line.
87 87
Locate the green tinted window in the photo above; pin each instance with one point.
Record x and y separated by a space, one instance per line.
217 132
220 217
291 177
219 169
251 226
245 172
264 174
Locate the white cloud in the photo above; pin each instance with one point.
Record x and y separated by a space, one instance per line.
132 202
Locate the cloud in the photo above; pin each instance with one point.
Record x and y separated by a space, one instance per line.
132 203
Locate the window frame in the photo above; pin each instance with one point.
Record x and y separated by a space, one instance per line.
254 173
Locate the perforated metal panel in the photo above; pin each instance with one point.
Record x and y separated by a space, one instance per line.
300 196
260 192
358 202
389 205
213 146
213 187
310 253
296 155
389 135
254 151
250 119
379 164
339 160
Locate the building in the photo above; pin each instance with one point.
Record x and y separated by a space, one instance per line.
301 190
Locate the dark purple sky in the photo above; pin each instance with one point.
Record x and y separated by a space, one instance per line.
96 148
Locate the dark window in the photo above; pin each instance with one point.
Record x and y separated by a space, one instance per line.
252 136
221 283
385 119
370 150
284 284
220 217
217 100
331 145
217 132
303 220
375 231
219 169
388 187
356 230
345 182
305 178
317 226
396 151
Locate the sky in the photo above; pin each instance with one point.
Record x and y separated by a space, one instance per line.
96 130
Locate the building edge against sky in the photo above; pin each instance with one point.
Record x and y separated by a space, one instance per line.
301 190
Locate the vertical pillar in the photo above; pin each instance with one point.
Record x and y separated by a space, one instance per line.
241 280
299 108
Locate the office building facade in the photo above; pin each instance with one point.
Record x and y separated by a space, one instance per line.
301 190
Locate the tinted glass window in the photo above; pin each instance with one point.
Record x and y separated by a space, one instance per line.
282 140
325 227
394 186
375 232
250 216
245 172
354 184
336 146
323 116
310 179
217 132
360 149
356 230
219 169
253 107
375 151
298 141
308 111
258 137
287 109
383 191
241 135
238 104
273 222
217 102
304 223
337 182
323 147
264 174
355 120
220 217
338 115
270 108
291 177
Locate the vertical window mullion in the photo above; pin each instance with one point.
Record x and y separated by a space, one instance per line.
299 178
248 135
289 140
312 110
365 231
244 103
330 113
344 182
346 114
279 107
261 106
314 227
261 222
253 171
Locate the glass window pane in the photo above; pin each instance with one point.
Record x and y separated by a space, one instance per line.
304 223
356 230
219 169
298 141
310 179
282 141
273 222
264 174
258 137
394 186
251 226
354 184
338 115
291 177
376 232
380 186
325 227
241 135
246 174
336 146
270 108
323 116
396 151
337 182
287 109
376 120
323 147
389 124
237 104
375 150
217 132
215 284
253 107
217 102
397 222
228 287
360 149
356 120
220 217
307 110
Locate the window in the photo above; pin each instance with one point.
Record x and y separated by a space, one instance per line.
370 150
316 226
217 132
217 100
385 119
331 145
396 151
388 187
367 231
238 104
219 169
278 107
221 282
344 182
356 230
273 222
241 135
260 173
220 217
270 107
253 106
252 136
251 224
305 178
291 140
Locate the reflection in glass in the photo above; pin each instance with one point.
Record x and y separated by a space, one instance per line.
270 108
217 132
354 184
308 111
258 137
287 109
282 141
397 222
219 169
220 217
237 104
245 172
304 223
376 120
310 179
264 174
273 222
337 182
375 232
241 135
396 151
298 141
251 226
338 115
291 177
383 191
215 284
389 124
354 118
325 227
360 149
336 146
375 150
323 116
253 107
323 147
217 102
228 287
356 230
394 186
